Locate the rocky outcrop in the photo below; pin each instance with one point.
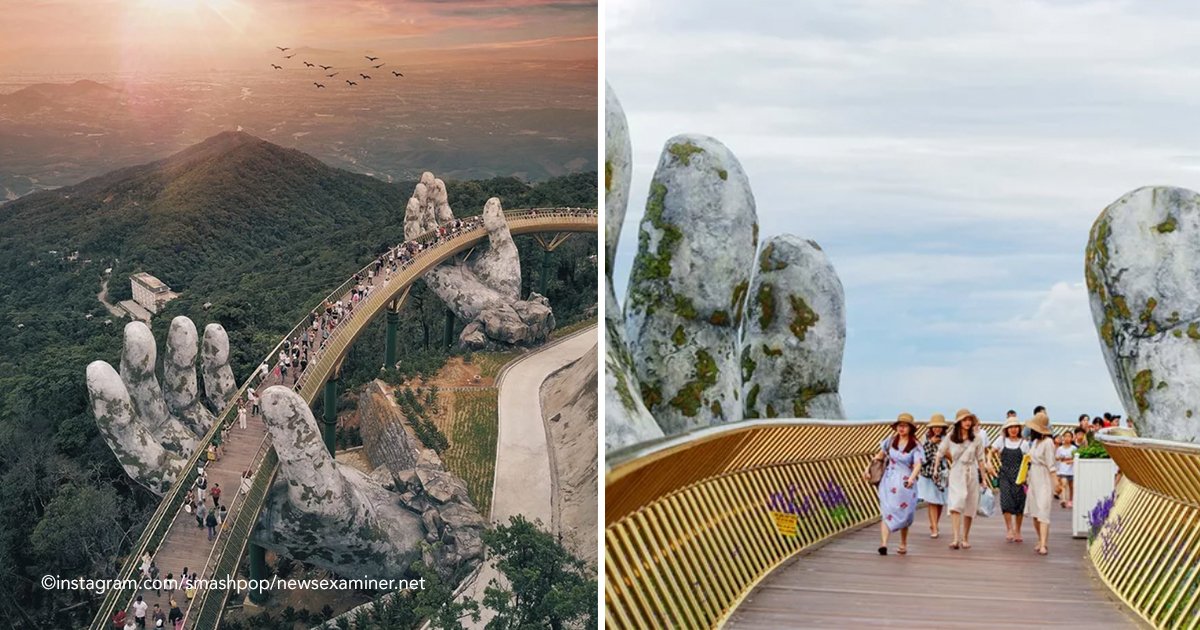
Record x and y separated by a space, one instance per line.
341 519
570 409
484 289
794 333
688 283
1142 267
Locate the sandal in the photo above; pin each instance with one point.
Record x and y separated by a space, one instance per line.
1018 539
883 551
954 545
934 535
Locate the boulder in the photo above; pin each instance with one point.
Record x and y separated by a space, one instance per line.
1142 266
794 333
688 285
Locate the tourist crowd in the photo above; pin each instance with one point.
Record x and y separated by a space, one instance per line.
951 469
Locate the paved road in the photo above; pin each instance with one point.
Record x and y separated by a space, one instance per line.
995 584
523 475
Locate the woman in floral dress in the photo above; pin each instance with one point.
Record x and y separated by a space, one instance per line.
1041 478
931 487
898 488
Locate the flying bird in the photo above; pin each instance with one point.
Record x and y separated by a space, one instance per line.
397 73
318 85
325 67
379 66
282 49
369 58
365 76
309 65
331 75
350 82
289 56
277 67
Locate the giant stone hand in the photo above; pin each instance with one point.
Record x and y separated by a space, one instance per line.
484 289
713 333
341 519
153 428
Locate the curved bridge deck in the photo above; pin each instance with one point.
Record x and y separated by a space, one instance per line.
847 584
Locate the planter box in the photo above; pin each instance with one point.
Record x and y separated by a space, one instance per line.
1093 481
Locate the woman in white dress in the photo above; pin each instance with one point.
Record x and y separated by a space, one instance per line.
1041 478
966 454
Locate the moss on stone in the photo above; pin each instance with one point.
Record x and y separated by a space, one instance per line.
771 413
684 307
737 302
723 174
754 233
651 395
771 352
766 260
1162 385
1166 227
1177 333
748 365
678 337
1142 382
715 408
683 151
719 318
689 398
655 265
799 410
1193 331
752 398
608 175
623 392
766 305
803 317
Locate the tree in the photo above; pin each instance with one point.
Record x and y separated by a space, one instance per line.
547 587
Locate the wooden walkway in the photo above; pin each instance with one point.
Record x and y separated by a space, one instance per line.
847 584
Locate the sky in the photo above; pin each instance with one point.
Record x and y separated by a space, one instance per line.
156 36
949 157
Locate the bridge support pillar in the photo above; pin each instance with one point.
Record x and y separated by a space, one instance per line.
389 346
330 413
258 571
547 254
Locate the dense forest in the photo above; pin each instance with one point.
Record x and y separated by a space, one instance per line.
253 236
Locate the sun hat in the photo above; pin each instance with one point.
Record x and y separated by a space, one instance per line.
963 414
906 418
1040 423
936 420
1011 422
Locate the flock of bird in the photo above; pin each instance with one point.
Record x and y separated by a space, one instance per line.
349 83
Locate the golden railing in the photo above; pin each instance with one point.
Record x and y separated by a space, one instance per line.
1148 548
690 520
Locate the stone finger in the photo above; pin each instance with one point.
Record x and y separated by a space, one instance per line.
181 390
499 267
139 354
219 384
688 283
618 162
794 333
144 459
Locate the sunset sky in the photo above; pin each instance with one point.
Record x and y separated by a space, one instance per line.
154 36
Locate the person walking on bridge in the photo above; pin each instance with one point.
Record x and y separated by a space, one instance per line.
931 487
902 455
1012 449
1041 478
966 455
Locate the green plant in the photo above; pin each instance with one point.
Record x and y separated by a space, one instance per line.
1094 449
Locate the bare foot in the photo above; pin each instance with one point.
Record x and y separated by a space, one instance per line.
966 545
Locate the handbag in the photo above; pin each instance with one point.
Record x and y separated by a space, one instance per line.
875 471
1024 470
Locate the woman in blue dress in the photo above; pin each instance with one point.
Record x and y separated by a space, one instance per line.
898 488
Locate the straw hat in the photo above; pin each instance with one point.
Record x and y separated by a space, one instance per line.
936 420
1040 424
908 419
1011 422
963 414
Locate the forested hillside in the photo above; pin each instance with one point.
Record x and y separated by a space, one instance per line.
259 233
